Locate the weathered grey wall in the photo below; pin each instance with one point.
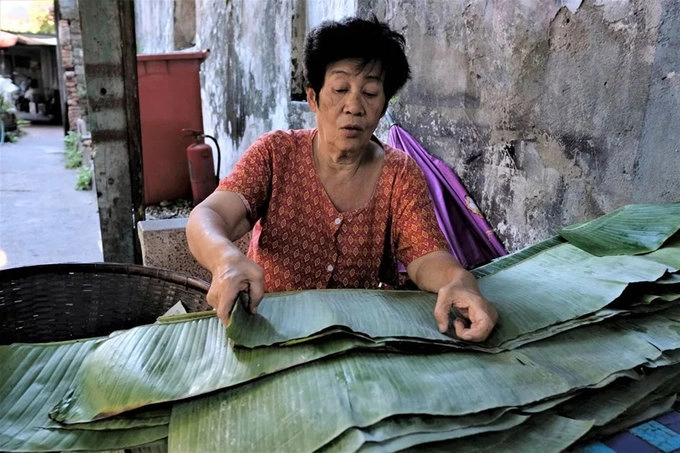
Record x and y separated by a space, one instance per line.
154 26
246 81
549 115
551 112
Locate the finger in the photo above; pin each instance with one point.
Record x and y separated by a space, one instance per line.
477 330
256 289
256 295
441 314
224 304
211 300
224 310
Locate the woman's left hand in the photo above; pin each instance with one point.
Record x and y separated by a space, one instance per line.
456 288
478 316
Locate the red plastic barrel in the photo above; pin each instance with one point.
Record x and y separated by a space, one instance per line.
169 101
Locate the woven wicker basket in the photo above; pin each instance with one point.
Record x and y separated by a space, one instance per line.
56 302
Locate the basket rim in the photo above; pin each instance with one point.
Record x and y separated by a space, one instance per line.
168 275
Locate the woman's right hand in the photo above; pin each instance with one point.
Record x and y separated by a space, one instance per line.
234 274
213 226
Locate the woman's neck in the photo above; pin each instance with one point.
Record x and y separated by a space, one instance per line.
349 179
341 163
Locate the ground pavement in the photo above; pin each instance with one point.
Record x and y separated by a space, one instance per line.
43 218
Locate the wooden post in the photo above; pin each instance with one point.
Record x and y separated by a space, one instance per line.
110 60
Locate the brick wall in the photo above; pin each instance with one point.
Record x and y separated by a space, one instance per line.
70 43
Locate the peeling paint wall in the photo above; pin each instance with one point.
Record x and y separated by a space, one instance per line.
245 81
154 26
550 112
550 115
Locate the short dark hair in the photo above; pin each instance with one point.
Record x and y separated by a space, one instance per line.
352 37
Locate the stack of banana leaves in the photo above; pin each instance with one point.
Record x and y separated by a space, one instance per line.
587 344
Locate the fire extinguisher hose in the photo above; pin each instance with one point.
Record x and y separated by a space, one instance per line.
219 156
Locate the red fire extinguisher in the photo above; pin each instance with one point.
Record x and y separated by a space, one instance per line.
204 178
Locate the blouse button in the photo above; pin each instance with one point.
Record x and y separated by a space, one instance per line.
338 221
329 268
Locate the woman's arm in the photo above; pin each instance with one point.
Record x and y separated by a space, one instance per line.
439 272
212 228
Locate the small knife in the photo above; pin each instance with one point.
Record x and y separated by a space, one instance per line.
243 298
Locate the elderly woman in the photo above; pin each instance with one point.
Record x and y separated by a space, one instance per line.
333 207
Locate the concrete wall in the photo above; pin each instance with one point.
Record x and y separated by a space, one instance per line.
551 112
164 245
550 115
154 26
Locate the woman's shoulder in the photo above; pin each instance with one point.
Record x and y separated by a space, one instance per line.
294 136
279 142
283 148
397 159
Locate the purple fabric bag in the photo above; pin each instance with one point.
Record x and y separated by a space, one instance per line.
470 237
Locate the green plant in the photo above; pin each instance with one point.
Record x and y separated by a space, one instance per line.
11 130
74 155
15 135
84 181
12 136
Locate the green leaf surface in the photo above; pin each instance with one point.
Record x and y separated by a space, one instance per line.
400 435
147 365
607 406
506 261
535 298
629 230
33 378
170 361
543 432
652 407
281 412
574 330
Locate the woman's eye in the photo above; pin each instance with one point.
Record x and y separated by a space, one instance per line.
370 94
341 90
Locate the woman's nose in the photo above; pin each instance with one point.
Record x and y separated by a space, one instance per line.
354 104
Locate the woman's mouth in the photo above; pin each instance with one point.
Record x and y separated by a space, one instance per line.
351 131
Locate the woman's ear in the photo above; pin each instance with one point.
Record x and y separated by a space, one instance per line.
311 100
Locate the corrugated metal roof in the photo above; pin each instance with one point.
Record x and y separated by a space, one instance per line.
11 39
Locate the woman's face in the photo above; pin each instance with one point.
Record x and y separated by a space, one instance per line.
349 106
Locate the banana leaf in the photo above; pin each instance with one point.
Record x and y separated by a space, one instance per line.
670 279
395 313
610 407
629 230
336 391
664 298
404 431
173 360
157 415
290 409
160 446
95 396
401 434
669 254
653 407
558 285
507 261
33 378
544 432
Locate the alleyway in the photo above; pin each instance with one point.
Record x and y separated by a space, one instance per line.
43 218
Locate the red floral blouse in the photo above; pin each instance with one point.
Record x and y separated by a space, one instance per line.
303 242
